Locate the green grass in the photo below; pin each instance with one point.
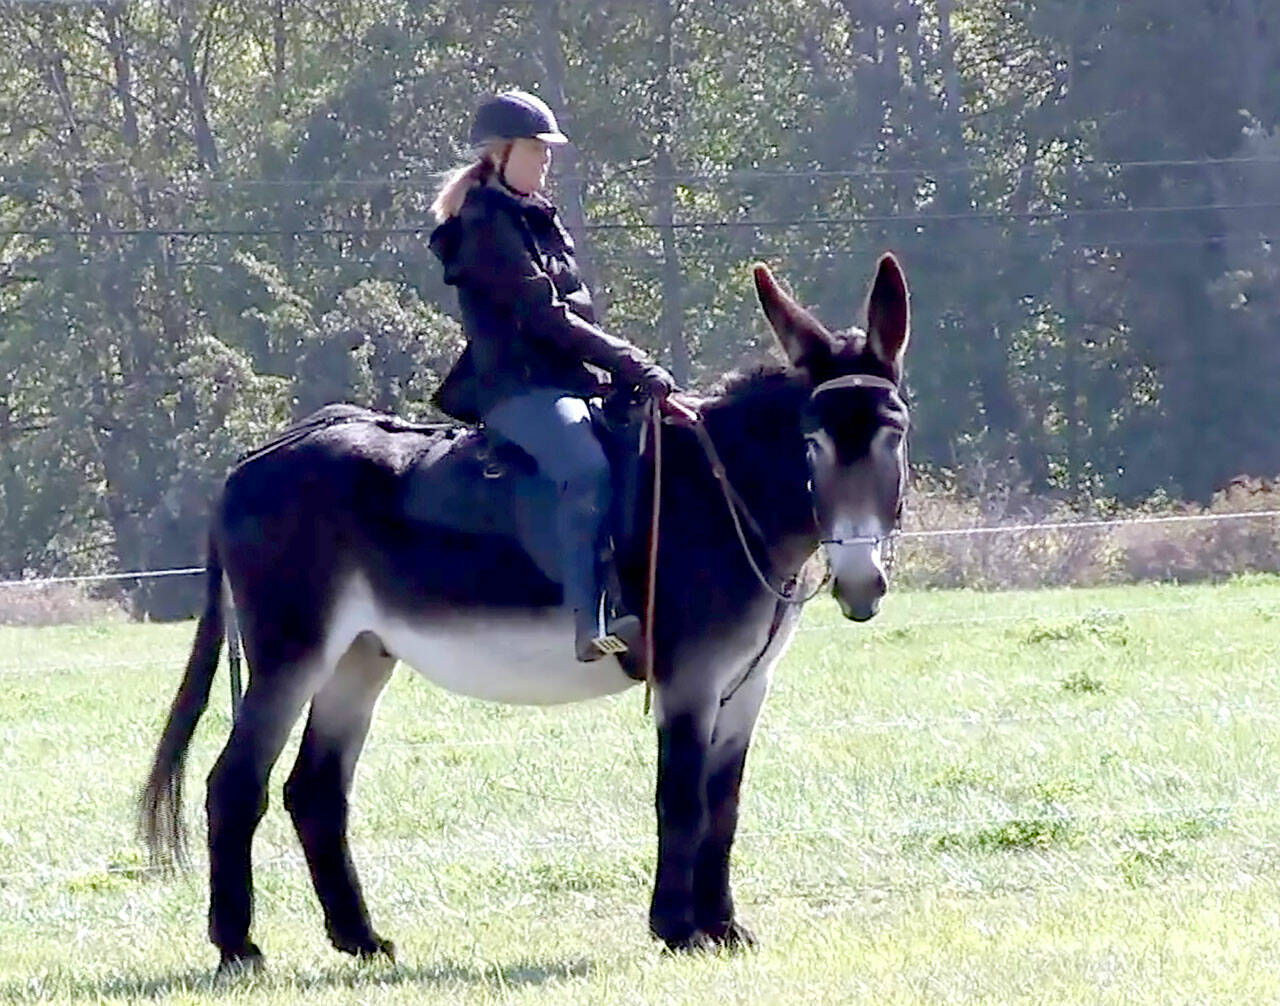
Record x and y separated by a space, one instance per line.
1048 797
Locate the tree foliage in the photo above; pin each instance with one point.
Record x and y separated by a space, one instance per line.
213 217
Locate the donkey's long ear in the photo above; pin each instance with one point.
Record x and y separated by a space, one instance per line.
889 313
804 338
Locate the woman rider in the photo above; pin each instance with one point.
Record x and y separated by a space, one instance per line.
531 332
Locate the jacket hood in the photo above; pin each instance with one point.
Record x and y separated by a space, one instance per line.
446 239
444 244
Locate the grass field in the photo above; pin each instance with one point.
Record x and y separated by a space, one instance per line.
1049 797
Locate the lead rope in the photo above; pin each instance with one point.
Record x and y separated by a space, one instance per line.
651 592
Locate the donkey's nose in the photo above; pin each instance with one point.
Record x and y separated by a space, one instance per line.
861 602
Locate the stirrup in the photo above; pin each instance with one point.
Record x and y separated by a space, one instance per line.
609 644
591 648
618 636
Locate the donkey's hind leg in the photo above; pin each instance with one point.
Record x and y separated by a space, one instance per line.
237 798
317 790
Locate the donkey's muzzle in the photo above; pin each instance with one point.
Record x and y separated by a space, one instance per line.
862 603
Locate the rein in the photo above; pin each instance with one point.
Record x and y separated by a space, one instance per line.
738 512
738 508
651 586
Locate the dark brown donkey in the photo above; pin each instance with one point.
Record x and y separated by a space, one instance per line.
357 541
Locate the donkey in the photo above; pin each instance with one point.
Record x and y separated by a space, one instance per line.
345 549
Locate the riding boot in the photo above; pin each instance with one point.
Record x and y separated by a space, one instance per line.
618 622
596 633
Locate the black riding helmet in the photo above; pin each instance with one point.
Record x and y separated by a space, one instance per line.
515 115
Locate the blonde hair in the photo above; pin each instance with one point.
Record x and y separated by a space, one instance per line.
458 182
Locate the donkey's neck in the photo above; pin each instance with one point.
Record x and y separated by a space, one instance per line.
755 426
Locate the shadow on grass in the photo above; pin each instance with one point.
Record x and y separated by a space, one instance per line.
133 988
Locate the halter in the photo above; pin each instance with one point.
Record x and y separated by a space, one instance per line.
856 381
738 508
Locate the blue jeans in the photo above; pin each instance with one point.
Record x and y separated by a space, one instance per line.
554 428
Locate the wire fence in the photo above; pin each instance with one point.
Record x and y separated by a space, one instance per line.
1236 813
1109 524
177 659
850 220
391 258
428 179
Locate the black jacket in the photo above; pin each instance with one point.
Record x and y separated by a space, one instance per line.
526 314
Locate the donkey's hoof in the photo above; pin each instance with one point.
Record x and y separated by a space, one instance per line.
367 948
697 942
732 936
382 950
247 960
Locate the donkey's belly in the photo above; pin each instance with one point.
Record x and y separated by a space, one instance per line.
522 659
518 657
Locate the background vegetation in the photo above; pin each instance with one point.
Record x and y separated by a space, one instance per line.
213 217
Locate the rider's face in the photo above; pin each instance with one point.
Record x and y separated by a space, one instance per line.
527 165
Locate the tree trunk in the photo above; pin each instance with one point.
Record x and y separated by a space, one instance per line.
1253 61
957 192
947 54
571 174
1071 242
671 324
124 75
206 145
278 45
914 42
664 204
1071 368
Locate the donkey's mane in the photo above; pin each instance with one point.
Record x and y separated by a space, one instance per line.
748 384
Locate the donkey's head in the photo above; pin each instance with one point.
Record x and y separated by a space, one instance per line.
855 427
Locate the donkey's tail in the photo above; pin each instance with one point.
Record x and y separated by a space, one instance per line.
160 806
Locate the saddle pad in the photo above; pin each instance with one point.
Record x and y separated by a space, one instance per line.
464 483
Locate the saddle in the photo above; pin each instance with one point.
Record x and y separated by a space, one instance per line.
468 481
456 478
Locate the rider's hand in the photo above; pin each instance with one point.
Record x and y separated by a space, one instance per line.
681 409
656 382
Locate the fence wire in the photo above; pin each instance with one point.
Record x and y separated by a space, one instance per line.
1205 518
176 661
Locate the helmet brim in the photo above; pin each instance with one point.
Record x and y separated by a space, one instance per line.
554 139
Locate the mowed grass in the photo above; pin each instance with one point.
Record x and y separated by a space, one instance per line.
1049 797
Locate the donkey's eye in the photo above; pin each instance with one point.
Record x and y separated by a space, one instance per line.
889 438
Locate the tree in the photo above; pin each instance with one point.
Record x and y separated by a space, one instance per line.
214 216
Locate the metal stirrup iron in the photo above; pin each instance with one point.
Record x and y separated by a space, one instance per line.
609 644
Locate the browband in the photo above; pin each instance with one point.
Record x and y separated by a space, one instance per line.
854 381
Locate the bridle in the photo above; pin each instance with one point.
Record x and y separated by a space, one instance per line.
859 381
738 508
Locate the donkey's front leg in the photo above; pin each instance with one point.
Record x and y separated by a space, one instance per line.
713 898
684 742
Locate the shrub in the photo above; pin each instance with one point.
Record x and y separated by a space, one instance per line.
1080 556
56 604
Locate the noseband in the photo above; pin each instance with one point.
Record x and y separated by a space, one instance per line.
738 507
